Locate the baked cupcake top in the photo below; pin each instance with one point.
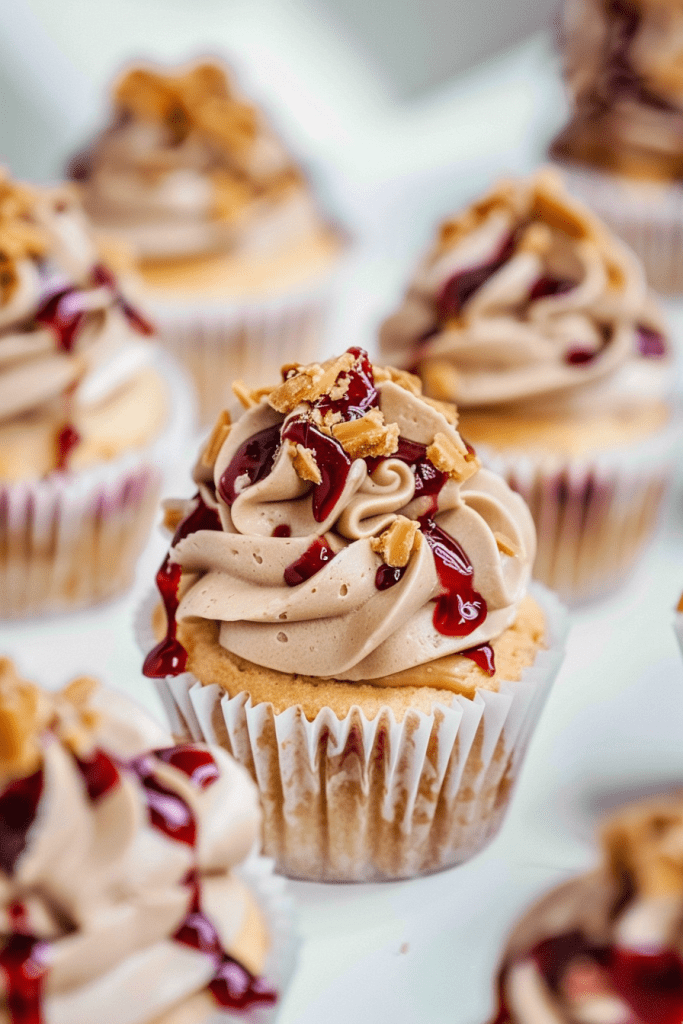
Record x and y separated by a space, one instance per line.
607 947
187 167
623 65
69 339
343 529
527 299
117 893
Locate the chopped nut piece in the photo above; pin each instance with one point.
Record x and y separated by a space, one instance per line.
506 546
552 209
679 606
215 443
304 463
310 383
397 542
447 409
243 394
405 380
366 436
537 238
79 691
454 459
325 422
175 510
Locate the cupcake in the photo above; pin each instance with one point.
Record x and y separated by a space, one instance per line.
623 146
130 891
235 257
537 322
90 413
606 948
344 607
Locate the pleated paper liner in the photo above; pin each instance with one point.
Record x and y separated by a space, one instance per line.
594 514
370 800
72 540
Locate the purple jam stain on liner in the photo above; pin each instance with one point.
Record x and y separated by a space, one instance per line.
169 657
483 656
313 559
462 286
18 807
651 344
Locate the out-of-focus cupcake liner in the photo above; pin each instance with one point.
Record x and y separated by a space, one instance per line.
648 216
678 627
71 540
249 339
594 514
371 800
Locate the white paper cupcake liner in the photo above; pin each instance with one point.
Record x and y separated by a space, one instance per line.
249 339
71 540
648 216
370 800
594 514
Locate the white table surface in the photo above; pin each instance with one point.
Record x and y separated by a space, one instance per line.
425 950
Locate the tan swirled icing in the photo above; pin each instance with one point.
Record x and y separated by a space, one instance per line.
46 246
188 167
623 66
96 881
338 623
509 340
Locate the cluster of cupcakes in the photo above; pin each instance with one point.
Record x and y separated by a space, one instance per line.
345 632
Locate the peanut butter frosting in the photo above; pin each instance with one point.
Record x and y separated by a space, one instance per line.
527 300
69 339
623 65
606 948
188 167
118 895
344 530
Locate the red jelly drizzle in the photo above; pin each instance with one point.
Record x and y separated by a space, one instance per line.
100 774
18 807
68 438
483 656
282 531
23 960
388 576
651 983
460 608
332 460
232 984
428 479
550 286
651 344
169 657
61 312
462 286
577 356
101 275
311 562
198 765
168 812
360 394
254 458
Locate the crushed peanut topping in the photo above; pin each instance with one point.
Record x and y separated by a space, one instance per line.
219 433
27 712
409 381
244 395
398 542
367 436
175 510
447 409
453 457
308 383
505 545
537 238
679 606
304 463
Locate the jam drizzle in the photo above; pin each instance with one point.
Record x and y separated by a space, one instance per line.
18 807
100 774
651 344
24 962
167 810
169 657
460 608
198 765
462 285
254 459
483 656
546 286
68 439
311 562
333 462
389 575
283 530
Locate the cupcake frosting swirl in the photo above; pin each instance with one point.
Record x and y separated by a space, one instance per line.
527 298
188 167
68 337
115 843
355 533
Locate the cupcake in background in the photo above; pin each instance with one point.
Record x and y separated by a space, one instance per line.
623 146
531 316
90 412
131 891
236 259
606 948
344 607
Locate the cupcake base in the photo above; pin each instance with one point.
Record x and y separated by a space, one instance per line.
374 799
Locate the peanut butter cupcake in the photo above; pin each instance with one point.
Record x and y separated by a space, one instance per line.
345 609
537 322
235 257
606 947
131 893
623 147
90 413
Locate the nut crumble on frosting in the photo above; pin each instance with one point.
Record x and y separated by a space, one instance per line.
344 530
